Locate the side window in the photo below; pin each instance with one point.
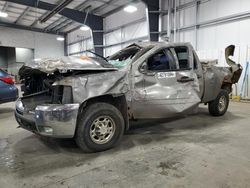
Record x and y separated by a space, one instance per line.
182 56
161 61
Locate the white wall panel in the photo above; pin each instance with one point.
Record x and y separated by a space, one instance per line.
187 36
124 36
44 45
206 38
121 18
187 17
80 46
74 48
78 35
113 37
79 41
123 32
219 8
135 31
207 11
164 23
114 40
24 55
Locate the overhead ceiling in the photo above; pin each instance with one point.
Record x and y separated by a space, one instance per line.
20 15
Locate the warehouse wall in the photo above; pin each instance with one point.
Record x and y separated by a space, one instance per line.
211 39
120 30
79 41
24 55
44 45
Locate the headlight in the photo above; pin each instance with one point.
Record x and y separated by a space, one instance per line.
19 105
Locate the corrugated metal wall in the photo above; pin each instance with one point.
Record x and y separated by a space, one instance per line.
218 24
120 30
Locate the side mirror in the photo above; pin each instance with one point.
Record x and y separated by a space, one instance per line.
143 68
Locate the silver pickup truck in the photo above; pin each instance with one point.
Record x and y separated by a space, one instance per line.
92 99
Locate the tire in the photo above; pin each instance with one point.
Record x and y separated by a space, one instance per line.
101 127
218 107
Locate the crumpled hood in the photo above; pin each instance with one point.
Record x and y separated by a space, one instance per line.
70 63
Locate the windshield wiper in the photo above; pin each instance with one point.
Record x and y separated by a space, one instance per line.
97 55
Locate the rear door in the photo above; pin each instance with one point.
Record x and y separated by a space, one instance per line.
165 84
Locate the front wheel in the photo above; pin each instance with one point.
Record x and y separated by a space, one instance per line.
101 127
218 107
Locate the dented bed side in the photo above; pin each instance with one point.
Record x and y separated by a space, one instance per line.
217 78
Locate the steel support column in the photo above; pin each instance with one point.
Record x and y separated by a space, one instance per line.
65 45
153 18
98 41
196 23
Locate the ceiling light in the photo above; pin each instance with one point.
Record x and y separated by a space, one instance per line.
130 8
3 14
60 38
85 28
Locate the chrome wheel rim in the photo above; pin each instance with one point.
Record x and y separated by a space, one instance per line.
102 129
222 103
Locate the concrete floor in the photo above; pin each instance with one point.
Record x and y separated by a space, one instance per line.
195 151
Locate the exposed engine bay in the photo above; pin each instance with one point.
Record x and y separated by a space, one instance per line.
37 84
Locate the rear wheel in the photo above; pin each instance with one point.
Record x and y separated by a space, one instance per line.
218 107
101 127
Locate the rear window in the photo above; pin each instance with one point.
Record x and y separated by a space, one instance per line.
182 55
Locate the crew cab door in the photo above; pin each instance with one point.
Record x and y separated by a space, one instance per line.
165 84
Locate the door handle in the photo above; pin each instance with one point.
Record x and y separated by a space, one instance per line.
185 79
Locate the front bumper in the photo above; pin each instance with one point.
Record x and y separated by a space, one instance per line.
53 120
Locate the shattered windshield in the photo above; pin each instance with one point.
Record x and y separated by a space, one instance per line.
123 57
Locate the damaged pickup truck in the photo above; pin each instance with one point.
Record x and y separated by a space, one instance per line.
92 99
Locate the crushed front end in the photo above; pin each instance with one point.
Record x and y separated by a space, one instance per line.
45 108
50 112
50 102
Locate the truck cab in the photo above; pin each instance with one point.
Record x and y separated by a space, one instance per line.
168 79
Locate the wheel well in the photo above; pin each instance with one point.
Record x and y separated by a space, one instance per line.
119 101
227 86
